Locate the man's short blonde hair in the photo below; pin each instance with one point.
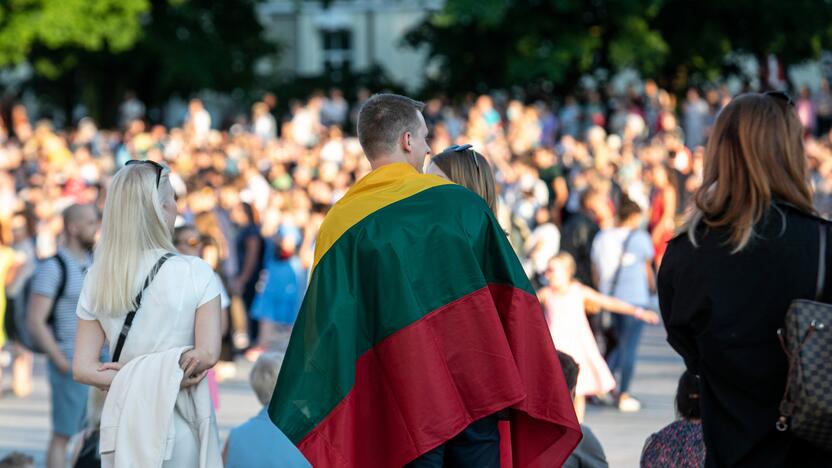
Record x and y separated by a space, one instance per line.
263 375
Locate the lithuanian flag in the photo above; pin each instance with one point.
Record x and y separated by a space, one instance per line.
418 320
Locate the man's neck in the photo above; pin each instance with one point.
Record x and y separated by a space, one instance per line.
386 160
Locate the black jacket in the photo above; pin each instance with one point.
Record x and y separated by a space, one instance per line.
722 312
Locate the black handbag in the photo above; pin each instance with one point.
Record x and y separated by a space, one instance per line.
806 338
89 457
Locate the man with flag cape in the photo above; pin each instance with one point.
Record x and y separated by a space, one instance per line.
419 325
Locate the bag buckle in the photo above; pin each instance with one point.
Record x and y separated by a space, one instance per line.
781 424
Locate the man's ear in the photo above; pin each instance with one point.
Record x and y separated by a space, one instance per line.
406 142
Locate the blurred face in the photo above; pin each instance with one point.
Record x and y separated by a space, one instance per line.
189 243
19 231
85 227
558 274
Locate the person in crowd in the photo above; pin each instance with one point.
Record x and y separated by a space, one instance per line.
198 121
55 289
564 301
248 245
749 247
258 442
589 453
695 112
663 208
542 245
283 284
23 245
187 242
579 232
263 123
680 443
10 264
167 342
622 259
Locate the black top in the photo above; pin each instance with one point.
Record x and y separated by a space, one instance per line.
722 312
576 239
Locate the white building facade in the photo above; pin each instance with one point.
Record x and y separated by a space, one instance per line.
346 36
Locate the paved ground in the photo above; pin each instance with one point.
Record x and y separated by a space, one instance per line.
24 423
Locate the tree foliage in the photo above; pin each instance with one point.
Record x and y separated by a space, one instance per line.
89 25
482 44
93 50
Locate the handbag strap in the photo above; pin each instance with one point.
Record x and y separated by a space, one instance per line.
617 273
128 321
821 261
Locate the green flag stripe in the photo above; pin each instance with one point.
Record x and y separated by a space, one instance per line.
385 273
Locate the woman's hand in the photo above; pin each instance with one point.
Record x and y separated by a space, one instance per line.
190 381
190 362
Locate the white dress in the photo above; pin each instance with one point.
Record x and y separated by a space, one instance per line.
164 321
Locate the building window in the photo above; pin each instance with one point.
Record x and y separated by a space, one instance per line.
337 51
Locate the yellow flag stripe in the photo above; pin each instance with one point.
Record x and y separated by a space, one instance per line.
382 187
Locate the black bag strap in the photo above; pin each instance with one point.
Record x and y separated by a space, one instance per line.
50 319
821 261
128 321
617 273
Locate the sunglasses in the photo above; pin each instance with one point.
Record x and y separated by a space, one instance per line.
462 149
159 168
780 95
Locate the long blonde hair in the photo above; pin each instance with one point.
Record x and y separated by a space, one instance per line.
754 154
471 170
133 223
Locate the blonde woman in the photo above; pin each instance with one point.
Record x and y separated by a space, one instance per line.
751 246
178 317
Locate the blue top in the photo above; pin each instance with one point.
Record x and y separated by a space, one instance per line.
258 442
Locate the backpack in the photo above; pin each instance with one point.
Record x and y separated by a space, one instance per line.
18 329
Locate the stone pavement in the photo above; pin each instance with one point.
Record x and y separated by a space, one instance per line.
24 423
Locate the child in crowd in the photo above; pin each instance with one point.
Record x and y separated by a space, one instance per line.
563 300
258 442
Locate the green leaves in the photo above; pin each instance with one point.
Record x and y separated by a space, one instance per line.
492 43
91 25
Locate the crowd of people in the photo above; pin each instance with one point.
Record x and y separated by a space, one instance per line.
589 192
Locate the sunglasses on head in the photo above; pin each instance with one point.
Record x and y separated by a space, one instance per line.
780 95
462 149
159 168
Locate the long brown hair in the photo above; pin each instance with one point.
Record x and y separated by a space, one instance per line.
755 153
471 170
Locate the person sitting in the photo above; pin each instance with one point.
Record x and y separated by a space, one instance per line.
589 453
258 442
680 443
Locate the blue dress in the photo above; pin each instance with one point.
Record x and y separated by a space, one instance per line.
284 285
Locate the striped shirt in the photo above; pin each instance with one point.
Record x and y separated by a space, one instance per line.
47 281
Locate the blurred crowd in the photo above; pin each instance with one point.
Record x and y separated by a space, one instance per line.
252 196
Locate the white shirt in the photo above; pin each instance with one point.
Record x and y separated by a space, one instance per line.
166 317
